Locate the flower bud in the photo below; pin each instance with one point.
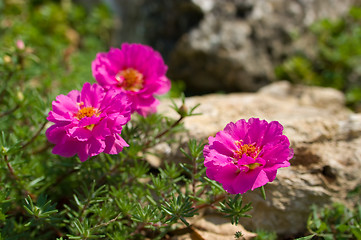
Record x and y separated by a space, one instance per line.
183 110
7 59
20 96
20 44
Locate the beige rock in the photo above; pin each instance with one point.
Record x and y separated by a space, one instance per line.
324 134
214 227
238 43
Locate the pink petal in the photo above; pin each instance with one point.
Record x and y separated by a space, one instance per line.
221 148
164 86
237 130
64 105
115 102
74 95
146 101
67 147
227 174
277 153
100 131
116 60
249 181
212 156
83 150
103 77
55 133
91 95
60 119
246 160
80 133
114 144
95 146
90 148
255 130
146 109
87 121
227 140
212 172
273 129
117 123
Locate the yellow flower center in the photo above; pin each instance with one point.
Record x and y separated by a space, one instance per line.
251 150
86 112
130 79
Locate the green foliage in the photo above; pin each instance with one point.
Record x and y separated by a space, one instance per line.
234 209
179 207
60 42
177 89
265 235
43 208
238 235
337 59
335 222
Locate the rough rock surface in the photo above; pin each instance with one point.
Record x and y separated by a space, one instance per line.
326 138
239 42
213 227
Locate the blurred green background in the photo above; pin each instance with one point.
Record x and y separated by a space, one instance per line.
336 61
61 40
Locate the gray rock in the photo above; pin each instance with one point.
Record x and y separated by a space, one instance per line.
324 134
239 42
159 23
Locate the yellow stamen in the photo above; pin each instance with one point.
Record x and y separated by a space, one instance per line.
130 79
251 150
86 112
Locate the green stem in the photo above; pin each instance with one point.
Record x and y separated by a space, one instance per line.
217 199
107 223
3 114
34 137
10 168
263 193
146 145
17 180
193 176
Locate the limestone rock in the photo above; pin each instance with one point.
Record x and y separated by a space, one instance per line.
324 134
214 227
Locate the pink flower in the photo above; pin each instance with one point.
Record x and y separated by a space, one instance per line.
246 155
135 69
88 122
20 44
